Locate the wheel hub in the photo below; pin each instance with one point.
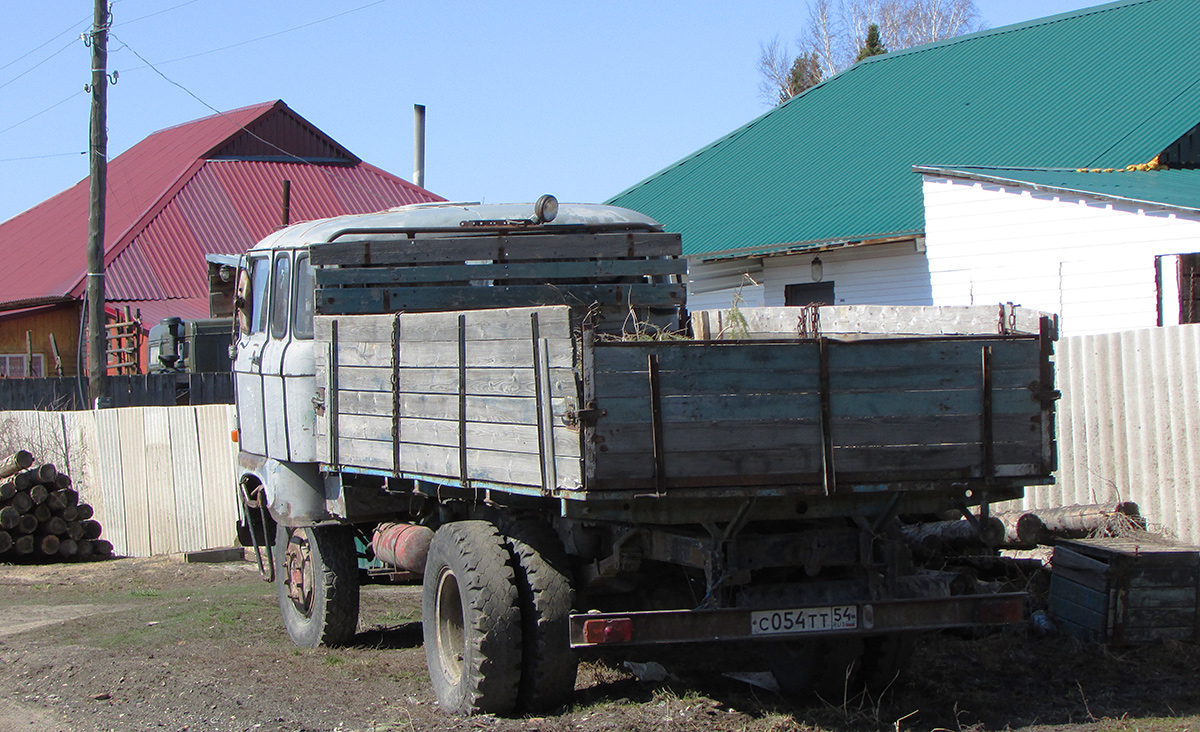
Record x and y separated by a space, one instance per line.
297 563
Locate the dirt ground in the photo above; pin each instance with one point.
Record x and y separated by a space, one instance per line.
157 644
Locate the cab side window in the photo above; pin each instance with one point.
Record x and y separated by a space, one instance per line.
302 318
259 271
281 295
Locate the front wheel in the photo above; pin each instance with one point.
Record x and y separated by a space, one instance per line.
471 620
316 581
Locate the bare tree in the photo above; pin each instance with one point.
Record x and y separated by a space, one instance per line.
837 29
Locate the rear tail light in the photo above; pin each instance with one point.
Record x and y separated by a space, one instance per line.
611 630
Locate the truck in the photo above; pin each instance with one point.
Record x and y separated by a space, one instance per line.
514 404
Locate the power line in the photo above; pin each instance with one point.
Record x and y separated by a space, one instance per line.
71 29
43 157
260 38
39 63
323 169
159 12
39 114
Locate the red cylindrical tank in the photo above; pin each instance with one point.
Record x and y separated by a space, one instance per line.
404 546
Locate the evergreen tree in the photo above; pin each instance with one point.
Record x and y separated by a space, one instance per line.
873 46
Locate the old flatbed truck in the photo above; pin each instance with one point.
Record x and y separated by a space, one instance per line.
492 397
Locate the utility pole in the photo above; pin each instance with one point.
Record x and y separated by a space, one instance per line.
98 170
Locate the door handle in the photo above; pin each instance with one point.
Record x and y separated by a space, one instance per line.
256 359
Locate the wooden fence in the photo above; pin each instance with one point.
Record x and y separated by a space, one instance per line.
138 390
160 478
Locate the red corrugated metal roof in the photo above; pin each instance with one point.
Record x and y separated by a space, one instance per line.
168 205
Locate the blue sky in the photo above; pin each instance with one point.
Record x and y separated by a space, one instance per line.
581 100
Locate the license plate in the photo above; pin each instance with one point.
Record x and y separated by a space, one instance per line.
804 620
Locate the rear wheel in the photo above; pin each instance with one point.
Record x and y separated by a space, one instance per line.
471 620
826 667
316 581
886 658
543 580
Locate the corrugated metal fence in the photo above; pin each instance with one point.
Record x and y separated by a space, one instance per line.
1129 425
160 478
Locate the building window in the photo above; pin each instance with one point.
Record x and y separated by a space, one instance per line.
808 293
1189 288
12 366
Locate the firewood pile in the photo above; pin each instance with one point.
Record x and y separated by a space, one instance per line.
41 518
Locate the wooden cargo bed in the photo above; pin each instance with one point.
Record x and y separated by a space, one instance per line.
529 400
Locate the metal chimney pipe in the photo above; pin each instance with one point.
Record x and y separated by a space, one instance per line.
419 144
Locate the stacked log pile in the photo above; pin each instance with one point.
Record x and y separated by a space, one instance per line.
41 518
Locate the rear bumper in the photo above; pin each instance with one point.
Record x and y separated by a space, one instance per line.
870 618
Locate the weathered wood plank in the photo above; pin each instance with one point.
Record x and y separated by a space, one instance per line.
381 251
364 353
501 381
501 410
365 427
711 408
461 274
364 378
932 403
480 354
375 454
352 300
355 328
554 323
516 438
699 382
486 465
695 357
365 402
890 320
725 436
935 430
714 467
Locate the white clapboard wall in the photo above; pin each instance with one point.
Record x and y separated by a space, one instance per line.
161 479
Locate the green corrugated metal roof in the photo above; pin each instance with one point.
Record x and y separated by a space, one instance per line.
1108 86
1166 188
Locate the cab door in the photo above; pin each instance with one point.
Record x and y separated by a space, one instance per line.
253 292
288 366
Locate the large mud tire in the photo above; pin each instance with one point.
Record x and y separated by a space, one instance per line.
316 580
543 580
471 620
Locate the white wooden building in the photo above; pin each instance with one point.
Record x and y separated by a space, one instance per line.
1106 251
